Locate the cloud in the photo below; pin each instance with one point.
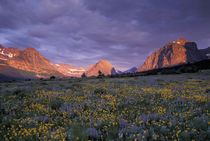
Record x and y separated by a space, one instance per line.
81 32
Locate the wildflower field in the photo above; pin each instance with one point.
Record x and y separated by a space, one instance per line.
162 107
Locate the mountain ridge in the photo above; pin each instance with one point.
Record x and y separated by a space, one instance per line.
29 63
102 65
29 60
70 71
32 62
177 52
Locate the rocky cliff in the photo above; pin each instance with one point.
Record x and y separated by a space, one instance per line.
177 52
28 60
104 66
70 71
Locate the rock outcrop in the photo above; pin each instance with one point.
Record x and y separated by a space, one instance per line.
70 71
104 66
178 52
131 70
28 60
205 53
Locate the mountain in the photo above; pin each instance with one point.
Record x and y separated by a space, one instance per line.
118 71
28 60
178 52
205 52
10 73
70 71
9 52
104 66
131 70
29 63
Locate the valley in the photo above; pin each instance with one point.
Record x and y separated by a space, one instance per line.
160 107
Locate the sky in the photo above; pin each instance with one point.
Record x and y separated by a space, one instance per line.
81 32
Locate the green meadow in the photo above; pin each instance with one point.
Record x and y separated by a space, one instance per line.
157 107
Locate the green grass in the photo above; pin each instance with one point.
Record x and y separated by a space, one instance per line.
161 107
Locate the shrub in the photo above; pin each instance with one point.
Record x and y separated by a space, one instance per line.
41 79
83 75
56 104
100 91
52 77
20 93
100 74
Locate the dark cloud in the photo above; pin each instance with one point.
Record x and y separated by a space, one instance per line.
80 32
155 14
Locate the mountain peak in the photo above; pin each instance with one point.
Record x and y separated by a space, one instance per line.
103 62
181 41
69 70
179 52
30 49
131 70
9 52
104 66
28 60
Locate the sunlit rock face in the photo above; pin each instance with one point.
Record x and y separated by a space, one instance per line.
177 52
9 52
104 66
29 60
70 71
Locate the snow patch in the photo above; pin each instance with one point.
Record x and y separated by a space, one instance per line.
10 55
74 70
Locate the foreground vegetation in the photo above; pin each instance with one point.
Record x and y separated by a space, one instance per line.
170 107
